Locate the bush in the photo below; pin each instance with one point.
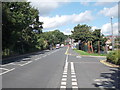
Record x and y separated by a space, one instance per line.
114 57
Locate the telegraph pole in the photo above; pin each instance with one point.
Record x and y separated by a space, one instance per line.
112 34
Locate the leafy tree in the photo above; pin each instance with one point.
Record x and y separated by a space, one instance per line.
54 37
17 36
83 33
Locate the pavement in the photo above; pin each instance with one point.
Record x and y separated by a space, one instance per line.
58 69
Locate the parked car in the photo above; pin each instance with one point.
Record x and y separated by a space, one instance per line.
62 45
57 46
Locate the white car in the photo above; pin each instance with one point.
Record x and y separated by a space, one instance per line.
62 45
57 46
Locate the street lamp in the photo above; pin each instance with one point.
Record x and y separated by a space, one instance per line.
112 34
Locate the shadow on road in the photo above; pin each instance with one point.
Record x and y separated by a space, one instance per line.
110 80
22 57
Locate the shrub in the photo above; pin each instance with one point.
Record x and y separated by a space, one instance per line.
114 57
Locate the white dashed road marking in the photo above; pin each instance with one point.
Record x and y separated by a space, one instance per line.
25 63
62 86
63 83
7 71
73 76
78 57
64 77
4 69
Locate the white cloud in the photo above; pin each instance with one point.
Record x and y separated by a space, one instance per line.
107 0
94 27
103 3
112 12
84 3
53 22
68 31
46 6
106 29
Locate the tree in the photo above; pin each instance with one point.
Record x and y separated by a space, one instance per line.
54 37
17 36
84 34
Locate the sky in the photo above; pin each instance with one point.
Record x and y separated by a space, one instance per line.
65 15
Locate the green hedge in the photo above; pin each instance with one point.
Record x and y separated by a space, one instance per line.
114 57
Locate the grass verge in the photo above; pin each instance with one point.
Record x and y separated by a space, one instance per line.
86 53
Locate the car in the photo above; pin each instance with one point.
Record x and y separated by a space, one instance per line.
57 46
62 45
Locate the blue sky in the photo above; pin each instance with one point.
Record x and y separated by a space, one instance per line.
65 15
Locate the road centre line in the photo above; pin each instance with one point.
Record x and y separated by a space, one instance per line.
74 83
63 83
7 71
74 79
66 59
73 76
74 87
62 86
64 72
72 67
64 77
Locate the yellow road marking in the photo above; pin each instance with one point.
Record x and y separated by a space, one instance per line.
67 51
108 64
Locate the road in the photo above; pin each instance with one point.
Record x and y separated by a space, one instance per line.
57 69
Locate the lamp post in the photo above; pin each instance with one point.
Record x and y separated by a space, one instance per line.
112 34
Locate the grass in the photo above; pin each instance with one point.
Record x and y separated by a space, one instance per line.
86 53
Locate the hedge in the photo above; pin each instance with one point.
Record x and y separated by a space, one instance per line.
114 57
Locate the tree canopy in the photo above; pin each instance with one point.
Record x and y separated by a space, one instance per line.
22 29
85 34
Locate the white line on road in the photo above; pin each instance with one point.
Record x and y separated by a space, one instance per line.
78 57
74 83
25 63
66 58
74 79
74 87
26 58
37 58
7 71
62 86
73 76
73 73
65 73
64 77
63 83
104 79
4 68
72 67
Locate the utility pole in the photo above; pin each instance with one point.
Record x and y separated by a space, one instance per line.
112 34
